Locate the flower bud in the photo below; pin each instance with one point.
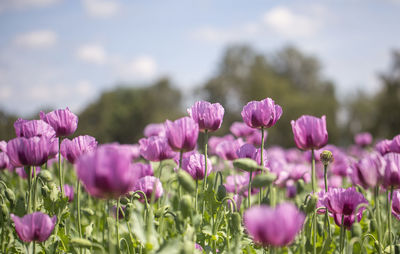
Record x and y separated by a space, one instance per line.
10 196
263 180
311 204
45 175
356 230
124 200
81 243
186 181
326 157
221 192
300 186
372 225
87 211
235 222
44 190
4 211
186 206
247 164
128 211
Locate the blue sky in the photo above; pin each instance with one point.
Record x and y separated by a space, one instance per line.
59 53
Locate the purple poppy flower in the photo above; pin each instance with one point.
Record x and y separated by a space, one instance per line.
198 247
341 201
73 149
383 146
363 139
255 137
194 164
156 149
29 151
227 149
207 115
263 113
241 130
143 169
63 121
34 227
249 151
107 172
182 134
396 204
369 171
4 160
213 142
273 226
310 132
392 170
235 183
148 185
395 145
154 129
22 173
32 128
69 192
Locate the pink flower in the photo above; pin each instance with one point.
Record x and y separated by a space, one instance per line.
310 132
34 227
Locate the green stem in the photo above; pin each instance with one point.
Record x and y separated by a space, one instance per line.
34 187
78 204
59 168
389 208
326 177
29 189
205 159
249 191
313 189
342 234
34 247
196 196
117 224
261 162
378 217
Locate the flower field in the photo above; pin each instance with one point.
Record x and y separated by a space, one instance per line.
182 189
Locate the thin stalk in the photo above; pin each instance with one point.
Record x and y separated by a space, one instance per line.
196 196
117 224
378 217
389 210
205 159
249 191
326 190
179 168
261 162
29 189
59 168
34 187
78 204
313 189
34 247
342 235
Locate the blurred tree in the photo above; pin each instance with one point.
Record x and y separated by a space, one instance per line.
7 126
121 114
292 79
379 113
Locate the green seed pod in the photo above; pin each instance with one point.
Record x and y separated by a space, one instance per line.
4 211
45 190
247 164
221 192
356 230
186 206
160 211
45 175
87 211
300 186
326 157
235 222
128 211
124 200
373 225
311 204
10 196
81 243
320 228
186 181
263 180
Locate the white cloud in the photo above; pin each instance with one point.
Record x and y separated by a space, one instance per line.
101 8
36 39
92 53
23 4
290 24
139 68
216 35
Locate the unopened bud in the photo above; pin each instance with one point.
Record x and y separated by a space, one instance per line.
311 204
356 230
186 206
221 192
263 180
326 157
10 196
235 222
186 181
124 200
247 164
45 175
80 242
